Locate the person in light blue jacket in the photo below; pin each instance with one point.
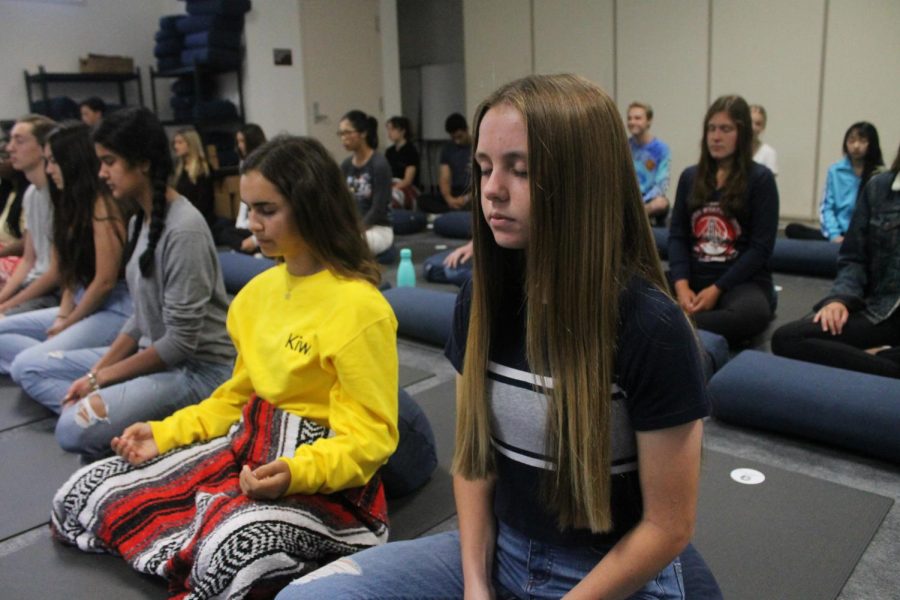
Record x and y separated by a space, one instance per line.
846 178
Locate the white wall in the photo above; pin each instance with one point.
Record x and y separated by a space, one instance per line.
390 58
816 65
56 35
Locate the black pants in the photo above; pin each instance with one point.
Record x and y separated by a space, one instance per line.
436 204
805 340
741 312
796 231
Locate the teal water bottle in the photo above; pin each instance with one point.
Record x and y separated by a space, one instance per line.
406 272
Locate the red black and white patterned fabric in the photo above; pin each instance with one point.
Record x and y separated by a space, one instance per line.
182 515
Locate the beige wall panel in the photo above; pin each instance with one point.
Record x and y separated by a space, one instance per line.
861 76
662 59
341 65
769 51
576 36
497 46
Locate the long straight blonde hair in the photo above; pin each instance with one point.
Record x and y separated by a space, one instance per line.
588 236
195 163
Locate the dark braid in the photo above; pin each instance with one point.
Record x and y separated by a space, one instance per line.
157 224
136 135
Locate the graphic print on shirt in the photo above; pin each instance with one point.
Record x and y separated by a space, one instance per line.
360 185
714 234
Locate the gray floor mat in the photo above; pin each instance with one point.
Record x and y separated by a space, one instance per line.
42 568
411 375
16 408
432 504
791 536
32 469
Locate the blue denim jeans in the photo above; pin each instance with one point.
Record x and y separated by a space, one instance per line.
148 397
430 567
23 337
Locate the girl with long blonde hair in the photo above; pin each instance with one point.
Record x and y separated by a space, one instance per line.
580 391
193 175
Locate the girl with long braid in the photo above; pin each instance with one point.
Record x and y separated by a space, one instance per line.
88 244
174 350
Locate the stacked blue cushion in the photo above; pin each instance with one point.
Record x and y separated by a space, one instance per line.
834 406
218 7
454 225
214 37
169 43
717 352
194 23
388 257
210 56
169 23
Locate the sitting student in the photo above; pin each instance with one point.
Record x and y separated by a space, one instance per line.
763 153
404 160
857 326
651 162
456 169
92 111
33 283
846 179
368 176
193 178
88 239
275 472
174 350
12 219
238 236
578 438
723 229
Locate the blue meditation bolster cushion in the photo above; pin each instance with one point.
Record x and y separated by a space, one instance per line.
454 225
239 268
406 222
805 257
426 315
834 406
415 459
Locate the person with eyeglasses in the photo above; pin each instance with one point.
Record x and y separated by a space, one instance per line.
368 175
723 229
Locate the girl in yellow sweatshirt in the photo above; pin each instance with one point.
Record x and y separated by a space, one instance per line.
275 472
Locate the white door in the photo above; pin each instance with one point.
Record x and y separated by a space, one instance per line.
341 66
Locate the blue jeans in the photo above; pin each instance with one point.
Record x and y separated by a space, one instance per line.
430 567
148 397
23 337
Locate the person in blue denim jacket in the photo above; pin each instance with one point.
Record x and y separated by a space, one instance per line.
857 326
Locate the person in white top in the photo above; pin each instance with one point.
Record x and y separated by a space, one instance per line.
763 153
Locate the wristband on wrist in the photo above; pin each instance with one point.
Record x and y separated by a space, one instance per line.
92 379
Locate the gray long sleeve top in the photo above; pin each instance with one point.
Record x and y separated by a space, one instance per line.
180 308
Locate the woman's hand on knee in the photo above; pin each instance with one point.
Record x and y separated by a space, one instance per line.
833 316
706 299
685 295
136 444
267 482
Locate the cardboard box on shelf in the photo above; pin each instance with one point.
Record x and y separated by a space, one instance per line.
100 63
